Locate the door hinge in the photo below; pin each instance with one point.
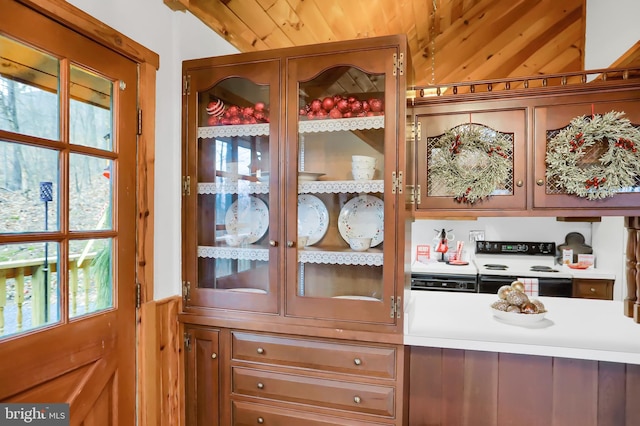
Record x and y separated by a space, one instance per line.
138 295
396 184
186 291
398 64
396 307
139 122
186 185
186 85
187 341
419 125
413 194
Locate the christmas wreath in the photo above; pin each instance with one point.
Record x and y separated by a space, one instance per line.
472 161
568 167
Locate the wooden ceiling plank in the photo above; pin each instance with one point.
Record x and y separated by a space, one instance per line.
265 28
487 45
226 24
460 36
313 19
363 19
341 27
290 23
523 48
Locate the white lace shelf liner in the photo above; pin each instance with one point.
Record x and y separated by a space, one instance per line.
317 187
372 257
240 187
261 129
341 124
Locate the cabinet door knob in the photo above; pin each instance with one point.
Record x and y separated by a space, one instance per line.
214 355
540 182
357 361
357 399
519 183
593 290
273 243
260 385
290 243
260 351
260 420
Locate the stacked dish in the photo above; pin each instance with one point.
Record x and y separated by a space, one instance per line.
363 167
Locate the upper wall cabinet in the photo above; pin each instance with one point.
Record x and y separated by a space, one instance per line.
292 161
507 149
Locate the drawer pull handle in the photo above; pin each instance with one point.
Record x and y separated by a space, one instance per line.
357 399
357 361
519 184
273 243
260 385
593 290
260 420
260 351
214 355
539 182
290 244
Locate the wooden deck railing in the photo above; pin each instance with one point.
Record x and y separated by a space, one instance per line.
22 291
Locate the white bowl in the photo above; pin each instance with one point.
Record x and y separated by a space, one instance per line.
364 174
518 318
359 243
363 159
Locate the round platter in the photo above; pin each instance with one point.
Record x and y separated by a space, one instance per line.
247 216
362 216
313 218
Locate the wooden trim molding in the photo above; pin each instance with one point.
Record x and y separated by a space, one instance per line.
632 299
92 28
161 377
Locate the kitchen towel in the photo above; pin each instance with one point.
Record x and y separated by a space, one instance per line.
530 286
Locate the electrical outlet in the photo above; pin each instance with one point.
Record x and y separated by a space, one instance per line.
476 235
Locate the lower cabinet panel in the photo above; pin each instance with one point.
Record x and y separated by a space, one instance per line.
249 414
335 394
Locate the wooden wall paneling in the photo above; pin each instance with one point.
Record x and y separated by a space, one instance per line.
632 412
452 386
425 386
480 388
160 379
611 393
524 390
575 392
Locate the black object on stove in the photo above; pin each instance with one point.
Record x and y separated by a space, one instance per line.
542 268
515 247
495 267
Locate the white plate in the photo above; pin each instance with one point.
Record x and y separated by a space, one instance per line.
248 290
357 298
307 176
362 216
516 318
313 218
248 216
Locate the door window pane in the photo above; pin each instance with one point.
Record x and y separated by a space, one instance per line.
29 81
90 115
90 276
89 193
29 291
28 188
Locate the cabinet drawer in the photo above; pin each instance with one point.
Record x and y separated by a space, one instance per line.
335 394
248 414
317 355
593 289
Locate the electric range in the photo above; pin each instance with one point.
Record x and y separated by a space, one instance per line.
502 262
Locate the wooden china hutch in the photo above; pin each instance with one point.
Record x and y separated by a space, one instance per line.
284 322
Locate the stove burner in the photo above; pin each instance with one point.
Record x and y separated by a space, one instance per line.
540 268
495 267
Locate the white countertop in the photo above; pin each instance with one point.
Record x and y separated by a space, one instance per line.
572 328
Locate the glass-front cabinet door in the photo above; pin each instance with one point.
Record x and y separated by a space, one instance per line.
341 155
231 187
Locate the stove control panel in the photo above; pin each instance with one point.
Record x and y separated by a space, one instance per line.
516 247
